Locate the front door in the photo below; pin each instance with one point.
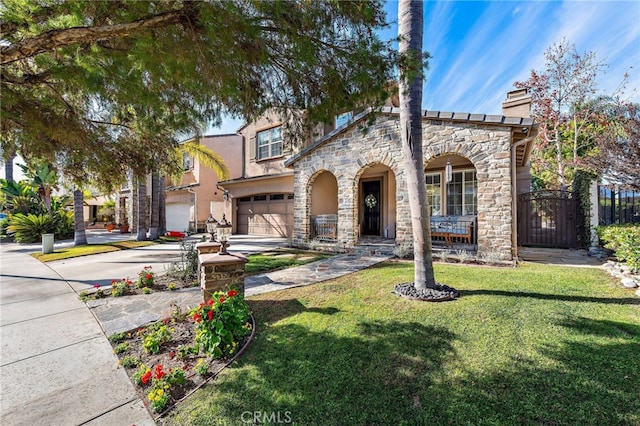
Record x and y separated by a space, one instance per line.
371 207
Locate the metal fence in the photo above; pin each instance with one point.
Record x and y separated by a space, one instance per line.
618 206
324 227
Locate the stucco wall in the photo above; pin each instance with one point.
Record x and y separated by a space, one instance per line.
349 154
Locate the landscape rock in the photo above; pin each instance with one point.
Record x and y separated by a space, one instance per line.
629 282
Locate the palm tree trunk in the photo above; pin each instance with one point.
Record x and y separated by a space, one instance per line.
155 206
79 234
8 168
162 208
411 70
142 209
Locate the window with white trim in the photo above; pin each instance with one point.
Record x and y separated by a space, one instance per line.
434 193
462 193
269 143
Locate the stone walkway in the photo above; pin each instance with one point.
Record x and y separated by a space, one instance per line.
120 314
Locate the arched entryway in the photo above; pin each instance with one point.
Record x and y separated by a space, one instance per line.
324 206
452 193
376 202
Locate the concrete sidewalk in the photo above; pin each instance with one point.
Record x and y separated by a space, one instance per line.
56 364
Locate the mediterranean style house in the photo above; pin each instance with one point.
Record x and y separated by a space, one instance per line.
190 201
348 186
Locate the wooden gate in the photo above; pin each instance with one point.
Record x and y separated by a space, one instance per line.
547 219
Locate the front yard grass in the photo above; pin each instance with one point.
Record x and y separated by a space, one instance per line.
69 252
280 259
534 345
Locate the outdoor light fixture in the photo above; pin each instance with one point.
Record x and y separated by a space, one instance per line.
211 225
447 172
223 231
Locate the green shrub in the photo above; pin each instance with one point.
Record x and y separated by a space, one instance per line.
65 227
29 228
624 240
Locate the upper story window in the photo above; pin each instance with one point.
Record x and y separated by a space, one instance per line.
269 143
186 162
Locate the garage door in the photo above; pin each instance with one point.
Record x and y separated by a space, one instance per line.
178 216
266 214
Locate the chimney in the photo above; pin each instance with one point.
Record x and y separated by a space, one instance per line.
517 104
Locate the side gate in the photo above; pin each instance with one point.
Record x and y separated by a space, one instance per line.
548 219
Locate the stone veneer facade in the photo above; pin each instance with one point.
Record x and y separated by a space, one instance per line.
485 142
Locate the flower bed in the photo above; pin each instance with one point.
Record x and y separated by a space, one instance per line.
167 360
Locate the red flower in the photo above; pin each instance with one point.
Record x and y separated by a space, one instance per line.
145 377
197 317
97 286
210 302
232 293
166 321
148 276
158 372
222 299
210 315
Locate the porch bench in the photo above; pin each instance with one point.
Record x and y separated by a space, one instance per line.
451 228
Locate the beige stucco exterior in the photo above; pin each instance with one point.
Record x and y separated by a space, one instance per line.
199 189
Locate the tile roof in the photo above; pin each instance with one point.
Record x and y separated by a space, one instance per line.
433 115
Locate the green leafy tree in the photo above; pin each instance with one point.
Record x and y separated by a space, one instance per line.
73 73
561 103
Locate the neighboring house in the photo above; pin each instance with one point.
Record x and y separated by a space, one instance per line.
190 202
475 165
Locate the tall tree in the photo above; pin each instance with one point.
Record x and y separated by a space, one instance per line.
154 226
79 234
560 103
70 68
411 67
617 139
141 208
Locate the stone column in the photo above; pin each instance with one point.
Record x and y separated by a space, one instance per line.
221 272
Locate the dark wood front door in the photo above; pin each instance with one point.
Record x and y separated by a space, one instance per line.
371 207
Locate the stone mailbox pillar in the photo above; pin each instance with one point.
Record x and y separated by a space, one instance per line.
221 272
208 247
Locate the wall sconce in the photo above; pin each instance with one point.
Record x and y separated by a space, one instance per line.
224 229
211 225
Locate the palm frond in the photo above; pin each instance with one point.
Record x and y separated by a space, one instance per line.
207 157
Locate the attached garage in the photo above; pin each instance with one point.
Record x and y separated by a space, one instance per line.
265 214
178 216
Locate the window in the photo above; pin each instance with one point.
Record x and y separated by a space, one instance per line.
186 162
259 198
434 193
462 193
270 143
276 197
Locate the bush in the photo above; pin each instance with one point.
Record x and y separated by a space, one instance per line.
28 228
624 240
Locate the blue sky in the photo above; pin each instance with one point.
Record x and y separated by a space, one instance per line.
480 48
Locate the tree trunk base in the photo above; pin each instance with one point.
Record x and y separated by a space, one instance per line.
440 293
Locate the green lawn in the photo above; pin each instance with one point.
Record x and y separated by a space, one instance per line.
279 259
535 345
67 253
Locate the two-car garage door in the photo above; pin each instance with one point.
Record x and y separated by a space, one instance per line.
266 214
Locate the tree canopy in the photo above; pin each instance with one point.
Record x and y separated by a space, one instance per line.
102 86
580 129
